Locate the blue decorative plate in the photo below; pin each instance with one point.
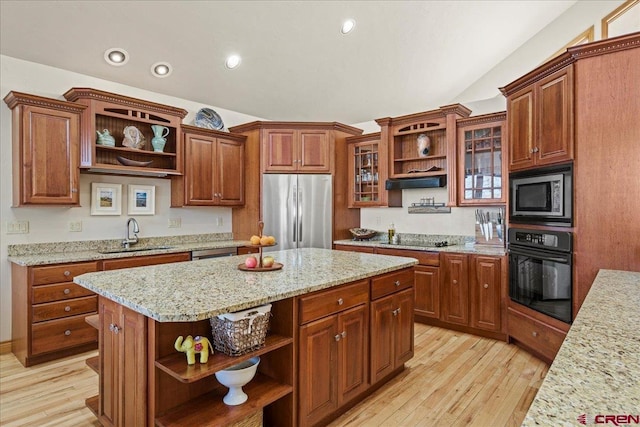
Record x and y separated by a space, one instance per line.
207 118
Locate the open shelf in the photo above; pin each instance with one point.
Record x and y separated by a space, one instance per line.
92 403
176 364
94 363
93 320
209 410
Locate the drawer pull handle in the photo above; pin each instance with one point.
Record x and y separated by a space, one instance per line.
337 337
340 301
67 291
534 333
486 286
67 273
67 309
67 332
397 282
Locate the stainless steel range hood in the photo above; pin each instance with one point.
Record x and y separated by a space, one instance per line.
426 182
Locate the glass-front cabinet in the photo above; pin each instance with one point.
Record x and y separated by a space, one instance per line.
368 172
482 172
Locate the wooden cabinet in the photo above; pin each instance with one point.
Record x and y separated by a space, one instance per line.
481 171
392 298
48 312
455 288
486 293
123 366
540 120
114 113
213 171
141 261
45 140
296 150
333 349
539 334
427 290
368 171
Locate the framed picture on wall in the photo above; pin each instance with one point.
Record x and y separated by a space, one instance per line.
142 200
106 198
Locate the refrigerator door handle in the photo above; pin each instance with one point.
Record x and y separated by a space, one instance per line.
300 216
295 214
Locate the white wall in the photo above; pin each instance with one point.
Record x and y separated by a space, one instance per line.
50 224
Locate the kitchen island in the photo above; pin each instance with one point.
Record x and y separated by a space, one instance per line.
595 376
144 381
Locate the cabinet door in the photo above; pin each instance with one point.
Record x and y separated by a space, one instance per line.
313 151
403 331
278 151
132 368
230 173
200 152
554 108
485 293
318 392
427 291
455 289
50 147
382 345
353 348
109 362
520 125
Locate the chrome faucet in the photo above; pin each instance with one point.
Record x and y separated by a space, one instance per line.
129 240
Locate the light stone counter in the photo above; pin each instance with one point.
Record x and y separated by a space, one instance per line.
596 373
468 248
197 290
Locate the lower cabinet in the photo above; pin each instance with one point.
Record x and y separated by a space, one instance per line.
455 288
486 295
123 366
539 334
427 291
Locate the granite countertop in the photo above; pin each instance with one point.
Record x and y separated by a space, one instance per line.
460 247
197 290
78 251
596 373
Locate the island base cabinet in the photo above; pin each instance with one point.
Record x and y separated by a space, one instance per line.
391 333
123 366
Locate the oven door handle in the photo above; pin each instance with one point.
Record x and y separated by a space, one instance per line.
543 255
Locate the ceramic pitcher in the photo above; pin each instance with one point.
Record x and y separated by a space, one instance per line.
158 141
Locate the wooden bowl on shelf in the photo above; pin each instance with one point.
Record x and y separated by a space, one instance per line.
362 233
128 162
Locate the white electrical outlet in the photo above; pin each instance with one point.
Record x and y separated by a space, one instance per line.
75 226
175 222
18 227
219 221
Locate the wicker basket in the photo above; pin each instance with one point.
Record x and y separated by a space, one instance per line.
235 334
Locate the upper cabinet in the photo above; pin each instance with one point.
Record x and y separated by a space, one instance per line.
133 124
296 150
481 149
213 169
424 144
540 111
368 171
46 133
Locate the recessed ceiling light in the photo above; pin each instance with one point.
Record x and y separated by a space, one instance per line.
161 69
116 56
348 26
233 61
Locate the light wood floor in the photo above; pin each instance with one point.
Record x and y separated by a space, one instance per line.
454 379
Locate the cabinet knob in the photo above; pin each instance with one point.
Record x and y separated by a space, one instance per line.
340 301
337 337
67 309
66 291
397 282
536 149
67 332
534 333
114 328
531 151
67 273
486 286
74 190
396 312
455 282
344 334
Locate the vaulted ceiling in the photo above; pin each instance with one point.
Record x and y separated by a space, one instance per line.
402 57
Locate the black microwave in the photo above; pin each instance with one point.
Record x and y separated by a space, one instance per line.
542 196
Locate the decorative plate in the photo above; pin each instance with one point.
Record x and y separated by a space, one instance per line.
362 233
128 162
207 118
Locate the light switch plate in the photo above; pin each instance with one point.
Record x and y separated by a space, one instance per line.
175 222
219 221
18 227
75 226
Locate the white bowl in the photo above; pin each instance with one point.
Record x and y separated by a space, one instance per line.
235 377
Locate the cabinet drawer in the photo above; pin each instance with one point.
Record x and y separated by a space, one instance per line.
324 303
56 310
424 258
61 291
392 282
540 337
61 333
139 261
61 273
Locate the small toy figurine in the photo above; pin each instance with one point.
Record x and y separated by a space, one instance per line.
192 346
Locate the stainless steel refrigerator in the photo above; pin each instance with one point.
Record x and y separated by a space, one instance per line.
297 210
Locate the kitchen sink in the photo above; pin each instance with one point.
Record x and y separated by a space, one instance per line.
125 250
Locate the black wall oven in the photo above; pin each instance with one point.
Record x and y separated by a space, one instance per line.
542 196
540 271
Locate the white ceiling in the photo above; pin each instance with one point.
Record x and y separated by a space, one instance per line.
403 57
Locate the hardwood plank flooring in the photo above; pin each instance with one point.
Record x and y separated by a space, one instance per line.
454 379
